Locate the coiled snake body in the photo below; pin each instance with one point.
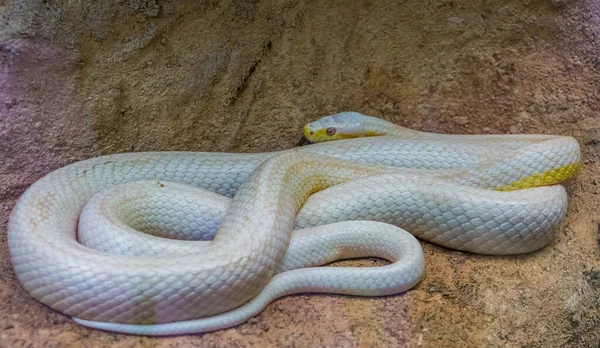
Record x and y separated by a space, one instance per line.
75 246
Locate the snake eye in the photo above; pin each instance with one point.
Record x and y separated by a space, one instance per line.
330 131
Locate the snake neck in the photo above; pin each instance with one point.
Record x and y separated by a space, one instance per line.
373 126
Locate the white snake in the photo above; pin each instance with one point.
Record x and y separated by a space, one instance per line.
75 246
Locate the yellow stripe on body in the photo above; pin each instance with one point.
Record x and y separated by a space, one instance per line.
549 177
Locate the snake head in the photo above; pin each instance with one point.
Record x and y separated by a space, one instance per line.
344 125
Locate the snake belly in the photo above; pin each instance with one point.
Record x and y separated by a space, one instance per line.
249 245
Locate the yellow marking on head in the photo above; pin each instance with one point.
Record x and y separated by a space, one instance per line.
549 177
372 134
320 135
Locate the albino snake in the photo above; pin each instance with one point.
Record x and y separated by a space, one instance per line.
75 246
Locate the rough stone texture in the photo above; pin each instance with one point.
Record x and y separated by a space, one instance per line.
80 79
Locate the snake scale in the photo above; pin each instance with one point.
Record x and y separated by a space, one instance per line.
227 233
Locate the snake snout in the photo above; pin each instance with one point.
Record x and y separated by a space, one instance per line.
309 133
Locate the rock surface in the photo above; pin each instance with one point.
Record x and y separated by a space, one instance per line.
81 79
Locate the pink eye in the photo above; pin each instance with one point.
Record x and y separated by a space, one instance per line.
330 131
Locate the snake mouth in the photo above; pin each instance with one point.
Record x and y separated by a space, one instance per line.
308 133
